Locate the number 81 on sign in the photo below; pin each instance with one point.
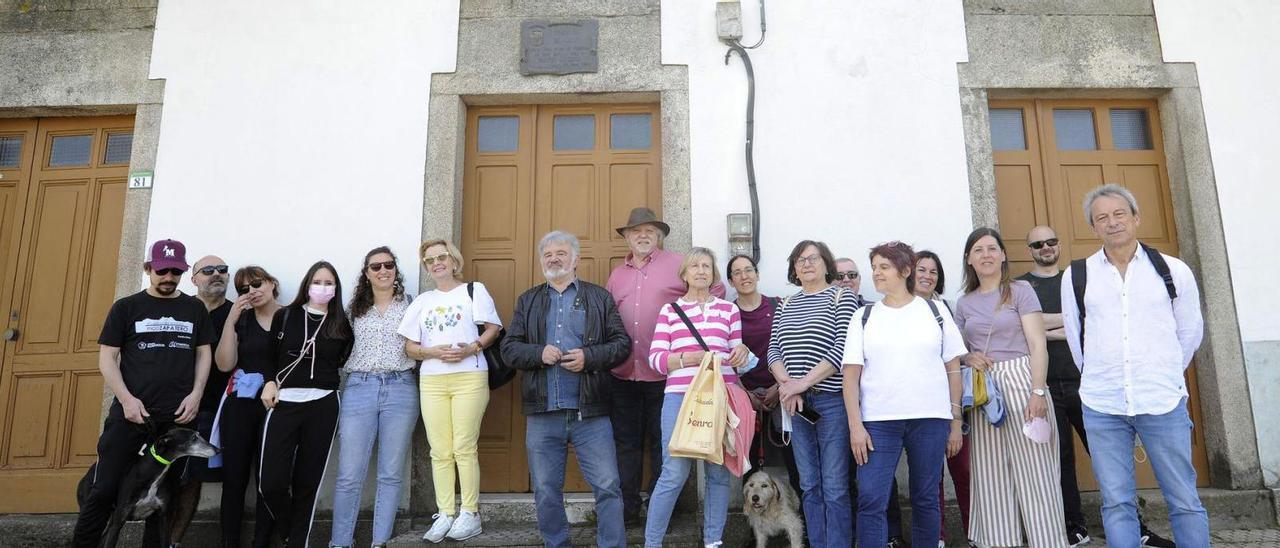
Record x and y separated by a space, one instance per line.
140 179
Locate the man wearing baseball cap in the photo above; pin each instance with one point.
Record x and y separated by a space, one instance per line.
154 354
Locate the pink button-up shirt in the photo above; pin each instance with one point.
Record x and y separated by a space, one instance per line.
640 291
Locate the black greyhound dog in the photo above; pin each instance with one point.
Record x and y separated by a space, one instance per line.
145 492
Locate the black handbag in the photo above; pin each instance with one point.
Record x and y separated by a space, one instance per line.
499 373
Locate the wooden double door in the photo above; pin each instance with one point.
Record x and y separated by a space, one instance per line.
62 188
1050 153
530 170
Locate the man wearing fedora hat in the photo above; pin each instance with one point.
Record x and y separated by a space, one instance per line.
647 279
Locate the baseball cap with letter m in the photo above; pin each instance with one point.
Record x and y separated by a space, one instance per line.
168 254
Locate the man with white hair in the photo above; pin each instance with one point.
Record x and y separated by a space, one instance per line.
566 335
1133 330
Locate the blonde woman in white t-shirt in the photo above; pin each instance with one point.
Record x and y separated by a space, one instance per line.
440 330
902 392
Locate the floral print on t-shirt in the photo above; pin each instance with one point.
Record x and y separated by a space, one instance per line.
440 318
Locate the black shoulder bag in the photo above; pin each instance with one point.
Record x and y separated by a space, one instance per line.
499 373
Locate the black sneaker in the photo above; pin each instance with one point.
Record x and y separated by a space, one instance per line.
1151 540
897 542
1077 535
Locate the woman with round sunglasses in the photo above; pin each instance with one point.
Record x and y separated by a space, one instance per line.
440 329
931 282
311 342
379 401
245 351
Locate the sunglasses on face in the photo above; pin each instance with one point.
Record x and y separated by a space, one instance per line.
169 272
441 258
242 289
846 276
377 267
1051 242
209 270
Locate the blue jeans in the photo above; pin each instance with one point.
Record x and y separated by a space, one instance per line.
380 407
675 470
925 441
547 437
1167 439
823 457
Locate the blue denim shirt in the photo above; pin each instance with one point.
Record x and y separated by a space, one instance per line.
566 326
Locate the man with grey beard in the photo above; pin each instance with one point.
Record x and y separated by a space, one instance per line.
209 275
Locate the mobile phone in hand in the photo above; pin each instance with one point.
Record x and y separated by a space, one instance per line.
809 415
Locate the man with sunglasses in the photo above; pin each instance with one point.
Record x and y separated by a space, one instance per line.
847 276
154 355
1064 380
209 275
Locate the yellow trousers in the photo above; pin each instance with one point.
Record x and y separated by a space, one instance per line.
452 408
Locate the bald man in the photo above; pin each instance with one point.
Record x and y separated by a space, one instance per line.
210 275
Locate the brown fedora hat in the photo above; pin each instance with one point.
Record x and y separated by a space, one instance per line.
644 216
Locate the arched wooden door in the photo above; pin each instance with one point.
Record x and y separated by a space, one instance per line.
62 185
1048 155
529 170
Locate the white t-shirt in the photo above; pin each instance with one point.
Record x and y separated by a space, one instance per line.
449 317
903 355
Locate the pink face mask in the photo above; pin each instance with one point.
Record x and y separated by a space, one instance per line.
1038 430
321 294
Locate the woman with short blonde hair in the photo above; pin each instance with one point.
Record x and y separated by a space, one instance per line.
440 331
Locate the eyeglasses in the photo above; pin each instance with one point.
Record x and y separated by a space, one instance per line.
169 272
377 267
242 289
742 272
441 258
809 260
846 276
209 270
1051 242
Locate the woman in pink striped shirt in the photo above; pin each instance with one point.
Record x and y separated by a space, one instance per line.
676 352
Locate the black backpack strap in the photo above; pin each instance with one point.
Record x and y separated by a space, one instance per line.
676 306
866 314
471 290
1162 268
1079 279
933 307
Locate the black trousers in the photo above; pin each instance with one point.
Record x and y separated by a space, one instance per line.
241 435
636 417
118 448
296 440
1069 413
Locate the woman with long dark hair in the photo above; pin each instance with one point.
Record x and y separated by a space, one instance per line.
902 390
931 283
380 400
245 351
311 339
1015 474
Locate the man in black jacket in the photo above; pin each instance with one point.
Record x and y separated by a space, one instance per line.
566 335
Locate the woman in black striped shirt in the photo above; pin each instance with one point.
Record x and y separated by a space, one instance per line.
805 350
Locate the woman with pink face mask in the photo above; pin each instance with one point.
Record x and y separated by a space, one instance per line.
311 339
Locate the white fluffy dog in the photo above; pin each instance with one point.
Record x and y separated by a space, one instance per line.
771 508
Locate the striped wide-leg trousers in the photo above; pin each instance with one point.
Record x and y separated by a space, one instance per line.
1014 480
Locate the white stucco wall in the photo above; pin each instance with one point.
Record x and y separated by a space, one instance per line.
858 127
1235 52
295 131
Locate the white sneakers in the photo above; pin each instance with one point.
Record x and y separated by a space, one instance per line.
463 527
466 526
439 528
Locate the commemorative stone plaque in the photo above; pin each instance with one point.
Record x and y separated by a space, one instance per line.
559 47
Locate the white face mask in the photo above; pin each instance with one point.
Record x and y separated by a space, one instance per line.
321 294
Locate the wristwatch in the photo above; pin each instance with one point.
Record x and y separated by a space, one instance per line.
1038 391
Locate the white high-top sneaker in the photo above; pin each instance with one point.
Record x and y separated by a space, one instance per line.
466 526
439 528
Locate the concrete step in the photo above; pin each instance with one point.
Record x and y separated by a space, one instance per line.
510 521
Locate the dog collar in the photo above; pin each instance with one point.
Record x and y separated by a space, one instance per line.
159 458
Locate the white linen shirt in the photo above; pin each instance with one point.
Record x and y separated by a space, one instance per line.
1137 344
